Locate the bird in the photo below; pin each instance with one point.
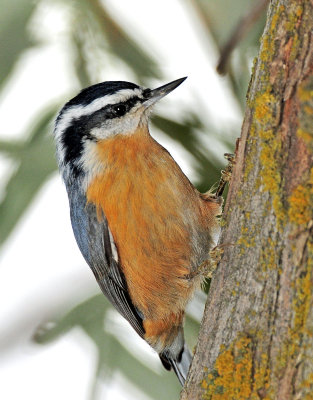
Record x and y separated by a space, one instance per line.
140 224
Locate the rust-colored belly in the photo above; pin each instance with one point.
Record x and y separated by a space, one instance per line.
150 206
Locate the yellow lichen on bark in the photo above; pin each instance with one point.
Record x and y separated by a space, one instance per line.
305 96
231 377
270 173
305 135
301 199
301 203
261 379
263 106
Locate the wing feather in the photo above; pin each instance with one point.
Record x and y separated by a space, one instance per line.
98 248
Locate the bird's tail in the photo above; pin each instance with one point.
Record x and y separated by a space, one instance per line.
180 365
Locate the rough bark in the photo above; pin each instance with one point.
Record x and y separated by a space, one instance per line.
256 339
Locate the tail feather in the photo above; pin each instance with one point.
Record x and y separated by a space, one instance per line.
180 365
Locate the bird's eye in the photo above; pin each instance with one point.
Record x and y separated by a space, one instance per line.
119 109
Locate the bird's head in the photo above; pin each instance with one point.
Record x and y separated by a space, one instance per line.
100 112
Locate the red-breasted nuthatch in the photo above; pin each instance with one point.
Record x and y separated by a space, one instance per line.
140 224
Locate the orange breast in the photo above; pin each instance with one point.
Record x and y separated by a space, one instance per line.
151 207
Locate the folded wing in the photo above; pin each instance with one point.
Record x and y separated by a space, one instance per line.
98 248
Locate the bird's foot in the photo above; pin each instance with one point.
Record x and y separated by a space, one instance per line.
225 174
210 265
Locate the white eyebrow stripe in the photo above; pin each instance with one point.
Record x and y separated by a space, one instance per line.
76 112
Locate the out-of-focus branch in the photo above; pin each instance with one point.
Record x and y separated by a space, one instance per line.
242 28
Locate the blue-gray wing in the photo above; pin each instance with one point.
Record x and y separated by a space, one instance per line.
98 248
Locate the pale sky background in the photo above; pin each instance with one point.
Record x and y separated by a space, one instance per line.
41 267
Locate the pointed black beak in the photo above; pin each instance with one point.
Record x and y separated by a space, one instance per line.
152 96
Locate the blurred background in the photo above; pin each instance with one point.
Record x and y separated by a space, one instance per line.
59 337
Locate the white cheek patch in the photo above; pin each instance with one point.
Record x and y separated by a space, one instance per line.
124 125
90 162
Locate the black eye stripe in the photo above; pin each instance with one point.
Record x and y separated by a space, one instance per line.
119 109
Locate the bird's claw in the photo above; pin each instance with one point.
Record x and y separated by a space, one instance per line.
225 174
210 265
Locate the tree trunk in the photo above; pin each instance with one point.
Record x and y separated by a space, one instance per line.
256 339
